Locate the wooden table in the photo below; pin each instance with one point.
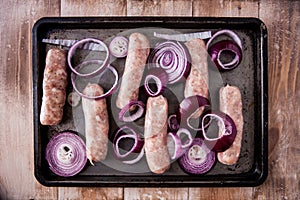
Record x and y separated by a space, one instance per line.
282 19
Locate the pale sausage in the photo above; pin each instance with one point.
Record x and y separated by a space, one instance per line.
155 133
54 87
138 51
96 123
231 104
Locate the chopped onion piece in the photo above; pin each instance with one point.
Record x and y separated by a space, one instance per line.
124 113
119 46
89 62
65 154
188 107
173 57
221 139
229 33
160 77
198 159
174 146
81 43
185 137
73 99
184 37
133 154
173 123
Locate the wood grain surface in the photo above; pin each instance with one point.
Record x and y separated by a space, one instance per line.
282 19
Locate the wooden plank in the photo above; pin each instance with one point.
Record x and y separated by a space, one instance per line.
16 144
223 8
282 21
91 8
156 193
159 8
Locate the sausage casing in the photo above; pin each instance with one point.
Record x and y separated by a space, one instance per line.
138 51
54 87
155 133
231 104
96 123
197 81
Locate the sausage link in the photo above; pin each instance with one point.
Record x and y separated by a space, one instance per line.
155 133
96 123
231 104
138 51
197 81
54 87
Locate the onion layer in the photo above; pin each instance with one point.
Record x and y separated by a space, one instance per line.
80 43
123 114
198 159
174 146
188 107
135 151
160 77
89 62
221 138
173 123
173 57
65 154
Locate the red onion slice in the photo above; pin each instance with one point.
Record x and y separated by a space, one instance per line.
65 154
174 146
80 43
128 156
160 78
217 49
229 33
89 62
221 139
173 123
119 46
124 113
198 159
188 107
173 57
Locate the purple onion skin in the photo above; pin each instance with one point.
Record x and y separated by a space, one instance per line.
223 143
215 49
188 106
192 168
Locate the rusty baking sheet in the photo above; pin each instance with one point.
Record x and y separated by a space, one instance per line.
250 77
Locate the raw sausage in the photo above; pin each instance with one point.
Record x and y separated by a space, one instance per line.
96 123
155 133
54 87
138 51
197 81
231 104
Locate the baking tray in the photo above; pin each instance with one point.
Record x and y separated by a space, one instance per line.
250 77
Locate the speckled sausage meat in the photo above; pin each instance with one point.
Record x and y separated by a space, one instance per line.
138 51
155 133
96 124
231 104
54 87
197 81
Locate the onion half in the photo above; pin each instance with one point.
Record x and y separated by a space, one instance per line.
173 57
187 109
198 159
135 151
89 62
65 154
221 139
124 113
81 43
